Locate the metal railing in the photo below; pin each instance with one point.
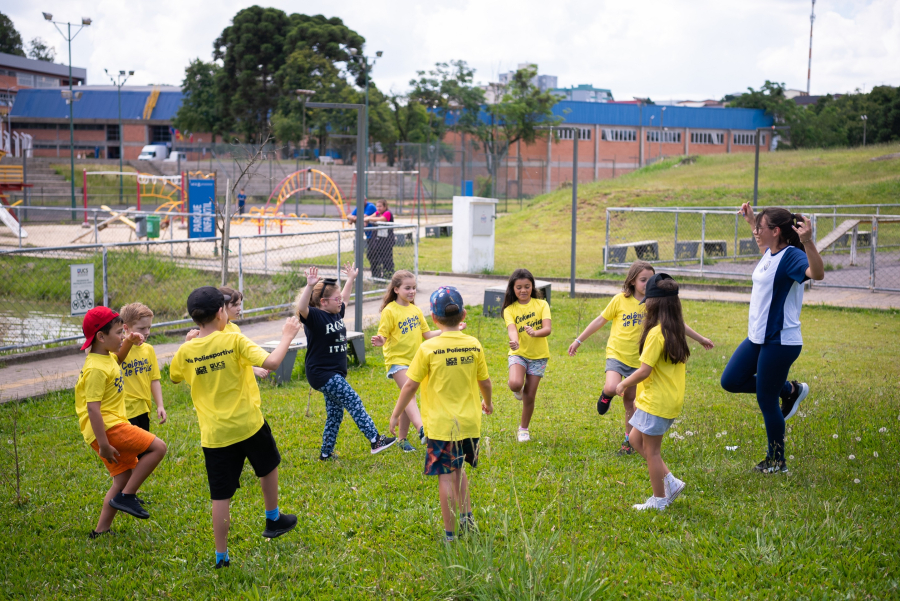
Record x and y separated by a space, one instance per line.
267 267
718 243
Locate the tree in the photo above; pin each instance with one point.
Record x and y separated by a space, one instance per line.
252 51
201 109
329 39
522 109
447 89
40 51
10 40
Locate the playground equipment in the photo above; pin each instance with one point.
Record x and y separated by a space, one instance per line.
311 180
12 179
166 188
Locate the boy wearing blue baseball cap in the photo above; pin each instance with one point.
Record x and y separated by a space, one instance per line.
451 370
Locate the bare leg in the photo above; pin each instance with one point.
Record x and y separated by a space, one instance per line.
269 484
411 415
628 401
107 513
465 503
649 449
146 464
612 380
449 485
516 377
221 522
528 397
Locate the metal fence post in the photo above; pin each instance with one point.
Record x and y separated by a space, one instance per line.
240 265
702 239
266 254
105 278
674 249
814 220
606 249
833 226
734 252
415 255
873 244
19 219
339 259
853 233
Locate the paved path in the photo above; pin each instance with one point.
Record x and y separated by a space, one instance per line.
60 373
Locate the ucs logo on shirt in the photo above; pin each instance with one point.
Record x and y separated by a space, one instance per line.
467 360
451 361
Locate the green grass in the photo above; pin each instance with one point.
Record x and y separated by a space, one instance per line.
539 237
555 515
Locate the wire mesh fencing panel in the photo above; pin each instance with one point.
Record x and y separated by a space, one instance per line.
859 251
42 306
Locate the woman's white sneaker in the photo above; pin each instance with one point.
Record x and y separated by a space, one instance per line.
658 503
673 487
518 393
523 435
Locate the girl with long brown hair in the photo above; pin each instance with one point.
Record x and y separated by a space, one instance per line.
626 314
664 353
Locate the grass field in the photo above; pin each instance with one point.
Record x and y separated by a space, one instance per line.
555 515
539 237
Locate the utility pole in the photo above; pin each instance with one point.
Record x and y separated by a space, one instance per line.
812 19
865 121
119 82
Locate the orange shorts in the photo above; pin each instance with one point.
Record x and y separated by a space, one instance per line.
130 441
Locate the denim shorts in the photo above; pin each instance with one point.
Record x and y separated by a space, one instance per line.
533 367
619 367
650 424
394 369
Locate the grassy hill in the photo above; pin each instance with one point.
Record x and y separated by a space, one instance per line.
538 237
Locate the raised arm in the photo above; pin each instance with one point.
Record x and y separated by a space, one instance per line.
704 342
816 269
133 338
350 273
592 327
289 331
302 302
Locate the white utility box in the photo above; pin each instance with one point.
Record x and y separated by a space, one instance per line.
473 233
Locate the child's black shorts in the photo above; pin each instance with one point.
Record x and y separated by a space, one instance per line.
224 464
142 421
445 457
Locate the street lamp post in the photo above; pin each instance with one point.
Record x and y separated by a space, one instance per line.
85 21
364 61
360 204
119 82
640 129
865 121
661 115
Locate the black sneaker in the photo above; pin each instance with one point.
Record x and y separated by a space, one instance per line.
129 504
284 524
382 442
770 466
603 404
625 449
791 402
94 534
328 457
422 438
223 563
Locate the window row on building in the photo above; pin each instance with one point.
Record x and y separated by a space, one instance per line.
584 133
672 137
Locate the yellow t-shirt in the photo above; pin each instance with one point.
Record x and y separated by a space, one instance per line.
100 381
626 317
227 402
449 368
662 393
533 313
140 368
402 328
232 328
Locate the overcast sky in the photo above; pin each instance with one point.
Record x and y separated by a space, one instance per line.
661 49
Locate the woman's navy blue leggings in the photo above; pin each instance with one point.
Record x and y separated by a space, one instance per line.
762 369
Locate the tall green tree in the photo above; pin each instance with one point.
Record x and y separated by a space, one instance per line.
201 109
448 92
522 109
40 51
10 39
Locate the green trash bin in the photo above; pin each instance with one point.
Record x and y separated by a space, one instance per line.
153 226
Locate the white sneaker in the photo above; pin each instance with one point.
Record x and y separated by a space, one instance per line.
523 435
673 487
518 394
658 503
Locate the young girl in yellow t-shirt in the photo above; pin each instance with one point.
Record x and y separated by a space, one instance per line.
401 330
664 353
527 318
626 313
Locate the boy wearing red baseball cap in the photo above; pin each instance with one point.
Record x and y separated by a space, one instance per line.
100 407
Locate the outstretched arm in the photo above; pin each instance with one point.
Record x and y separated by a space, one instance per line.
595 325
302 302
704 342
350 272
133 338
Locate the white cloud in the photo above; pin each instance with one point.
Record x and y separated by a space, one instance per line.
701 49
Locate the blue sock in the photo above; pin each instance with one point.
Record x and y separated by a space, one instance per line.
221 556
272 514
448 534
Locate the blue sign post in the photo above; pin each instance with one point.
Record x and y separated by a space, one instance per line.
202 199
468 188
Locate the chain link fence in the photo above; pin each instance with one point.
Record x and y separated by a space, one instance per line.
860 244
267 259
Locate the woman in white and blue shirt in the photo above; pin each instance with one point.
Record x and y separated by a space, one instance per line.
761 363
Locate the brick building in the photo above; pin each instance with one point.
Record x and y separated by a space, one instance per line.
147 113
20 73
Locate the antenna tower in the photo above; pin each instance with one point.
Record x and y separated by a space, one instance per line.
812 20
